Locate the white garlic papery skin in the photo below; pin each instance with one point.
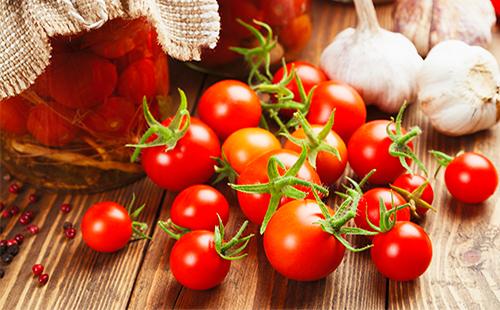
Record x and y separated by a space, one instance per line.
459 88
381 65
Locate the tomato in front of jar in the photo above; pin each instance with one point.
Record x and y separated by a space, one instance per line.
229 105
80 79
138 81
51 125
254 205
112 118
296 245
403 253
14 115
190 162
350 110
496 5
369 207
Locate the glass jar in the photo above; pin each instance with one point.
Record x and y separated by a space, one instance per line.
289 19
68 131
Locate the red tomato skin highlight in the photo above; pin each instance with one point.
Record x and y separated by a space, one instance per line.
229 105
106 227
189 163
197 206
402 254
195 263
254 206
14 115
368 149
369 204
297 247
410 182
350 109
471 178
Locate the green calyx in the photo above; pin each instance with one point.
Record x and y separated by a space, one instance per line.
260 79
387 217
165 135
443 159
335 224
399 146
231 249
414 198
173 230
138 228
224 170
280 186
314 143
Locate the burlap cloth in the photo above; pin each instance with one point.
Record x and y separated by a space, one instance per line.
183 26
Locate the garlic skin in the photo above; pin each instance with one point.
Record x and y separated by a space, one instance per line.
459 88
428 22
381 65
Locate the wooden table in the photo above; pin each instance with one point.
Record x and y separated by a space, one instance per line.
464 272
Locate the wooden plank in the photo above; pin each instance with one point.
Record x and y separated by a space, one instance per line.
80 277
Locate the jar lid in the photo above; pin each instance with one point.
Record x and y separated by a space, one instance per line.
184 27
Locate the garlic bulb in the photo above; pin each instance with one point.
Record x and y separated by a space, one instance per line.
428 22
381 65
459 88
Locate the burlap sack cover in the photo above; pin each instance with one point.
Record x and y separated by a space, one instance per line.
183 26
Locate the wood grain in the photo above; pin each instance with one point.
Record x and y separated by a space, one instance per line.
464 273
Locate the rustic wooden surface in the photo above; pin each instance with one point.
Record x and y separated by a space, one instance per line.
464 273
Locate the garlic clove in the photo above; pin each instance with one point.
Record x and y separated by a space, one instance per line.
428 22
458 88
381 65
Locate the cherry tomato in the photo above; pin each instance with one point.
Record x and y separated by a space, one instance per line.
297 247
254 206
197 207
228 106
106 227
403 253
368 149
350 110
80 79
50 126
195 263
496 5
369 205
112 118
410 182
246 144
14 115
309 75
138 81
188 163
329 168
471 178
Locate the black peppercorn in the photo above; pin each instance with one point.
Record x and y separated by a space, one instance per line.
7 258
13 249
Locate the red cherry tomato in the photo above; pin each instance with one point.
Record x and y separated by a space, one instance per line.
471 178
112 118
329 168
402 254
297 247
14 115
410 182
246 144
496 5
350 110
106 227
195 263
189 163
197 207
228 106
309 75
51 127
368 149
80 79
369 205
254 206
138 81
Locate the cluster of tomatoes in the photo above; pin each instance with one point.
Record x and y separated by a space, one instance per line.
289 18
94 85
